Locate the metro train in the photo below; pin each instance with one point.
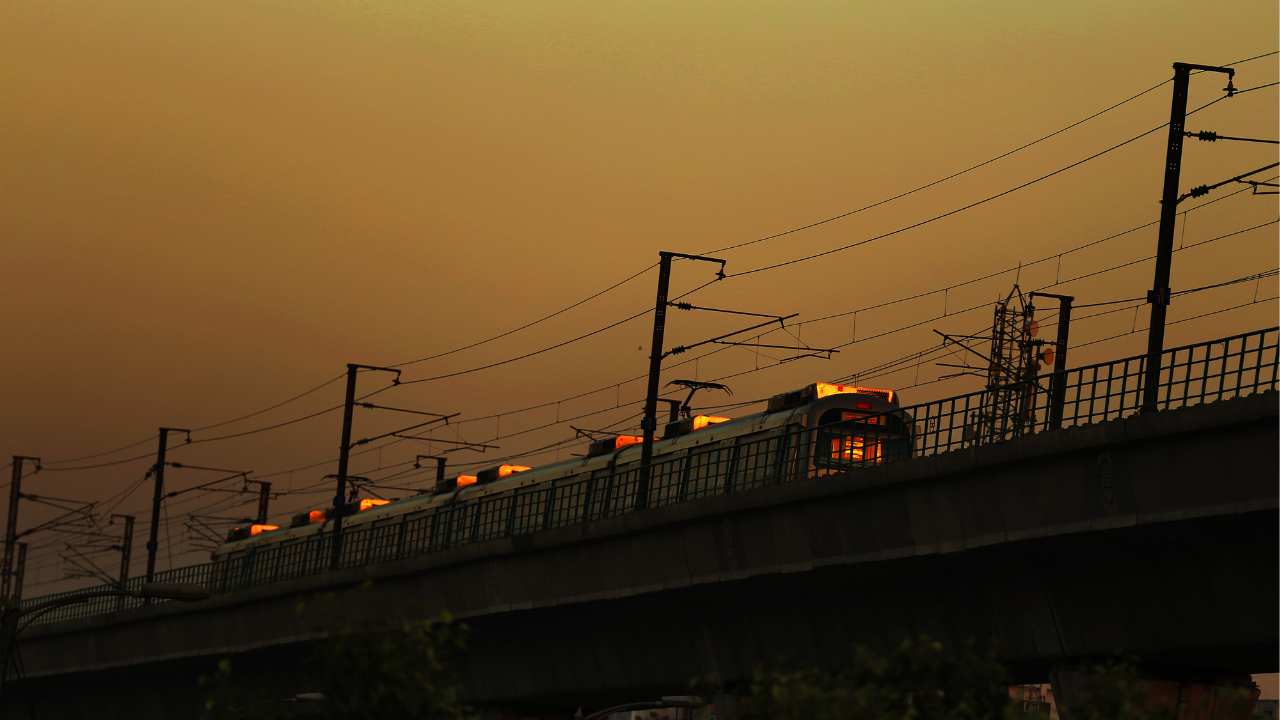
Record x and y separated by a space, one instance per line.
854 426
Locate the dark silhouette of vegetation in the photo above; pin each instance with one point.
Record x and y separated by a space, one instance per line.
1115 692
404 671
393 671
375 668
918 679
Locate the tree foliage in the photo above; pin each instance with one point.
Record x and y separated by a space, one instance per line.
917 679
398 671
374 668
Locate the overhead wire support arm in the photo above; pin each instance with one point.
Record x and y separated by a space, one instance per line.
778 347
53 502
691 306
92 571
85 533
590 434
234 473
719 274
682 348
234 491
948 338
1211 136
1204 189
797 357
466 445
244 475
54 523
442 418
1256 184
371 406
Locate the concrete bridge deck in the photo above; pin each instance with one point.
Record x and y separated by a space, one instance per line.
1154 535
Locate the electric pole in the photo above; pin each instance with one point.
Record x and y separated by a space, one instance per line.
344 455
126 547
1158 296
264 496
154 543
11 532
650 421
20 571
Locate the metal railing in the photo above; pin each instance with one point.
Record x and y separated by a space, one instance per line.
1229 367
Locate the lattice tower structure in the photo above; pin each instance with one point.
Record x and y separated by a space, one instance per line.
1011 386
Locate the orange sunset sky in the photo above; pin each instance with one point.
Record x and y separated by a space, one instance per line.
210 207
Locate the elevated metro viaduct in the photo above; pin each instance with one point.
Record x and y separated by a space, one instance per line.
1155 536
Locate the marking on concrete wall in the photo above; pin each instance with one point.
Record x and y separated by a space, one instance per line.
1104 478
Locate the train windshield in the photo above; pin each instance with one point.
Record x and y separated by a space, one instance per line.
853 438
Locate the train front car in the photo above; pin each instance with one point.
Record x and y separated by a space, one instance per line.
850 427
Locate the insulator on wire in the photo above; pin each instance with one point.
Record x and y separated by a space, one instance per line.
683 305
1199 191
678 349
1207 135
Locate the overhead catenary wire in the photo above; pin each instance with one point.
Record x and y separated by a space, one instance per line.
865 339
747 272
963 208
788 232
635 316
863 309
199 429
743 404
330 381
529 453
975 167
638 274
529 325
1251 278
939 181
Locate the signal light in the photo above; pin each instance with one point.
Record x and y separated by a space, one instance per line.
1047 356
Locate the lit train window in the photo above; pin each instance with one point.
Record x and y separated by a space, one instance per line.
854 448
